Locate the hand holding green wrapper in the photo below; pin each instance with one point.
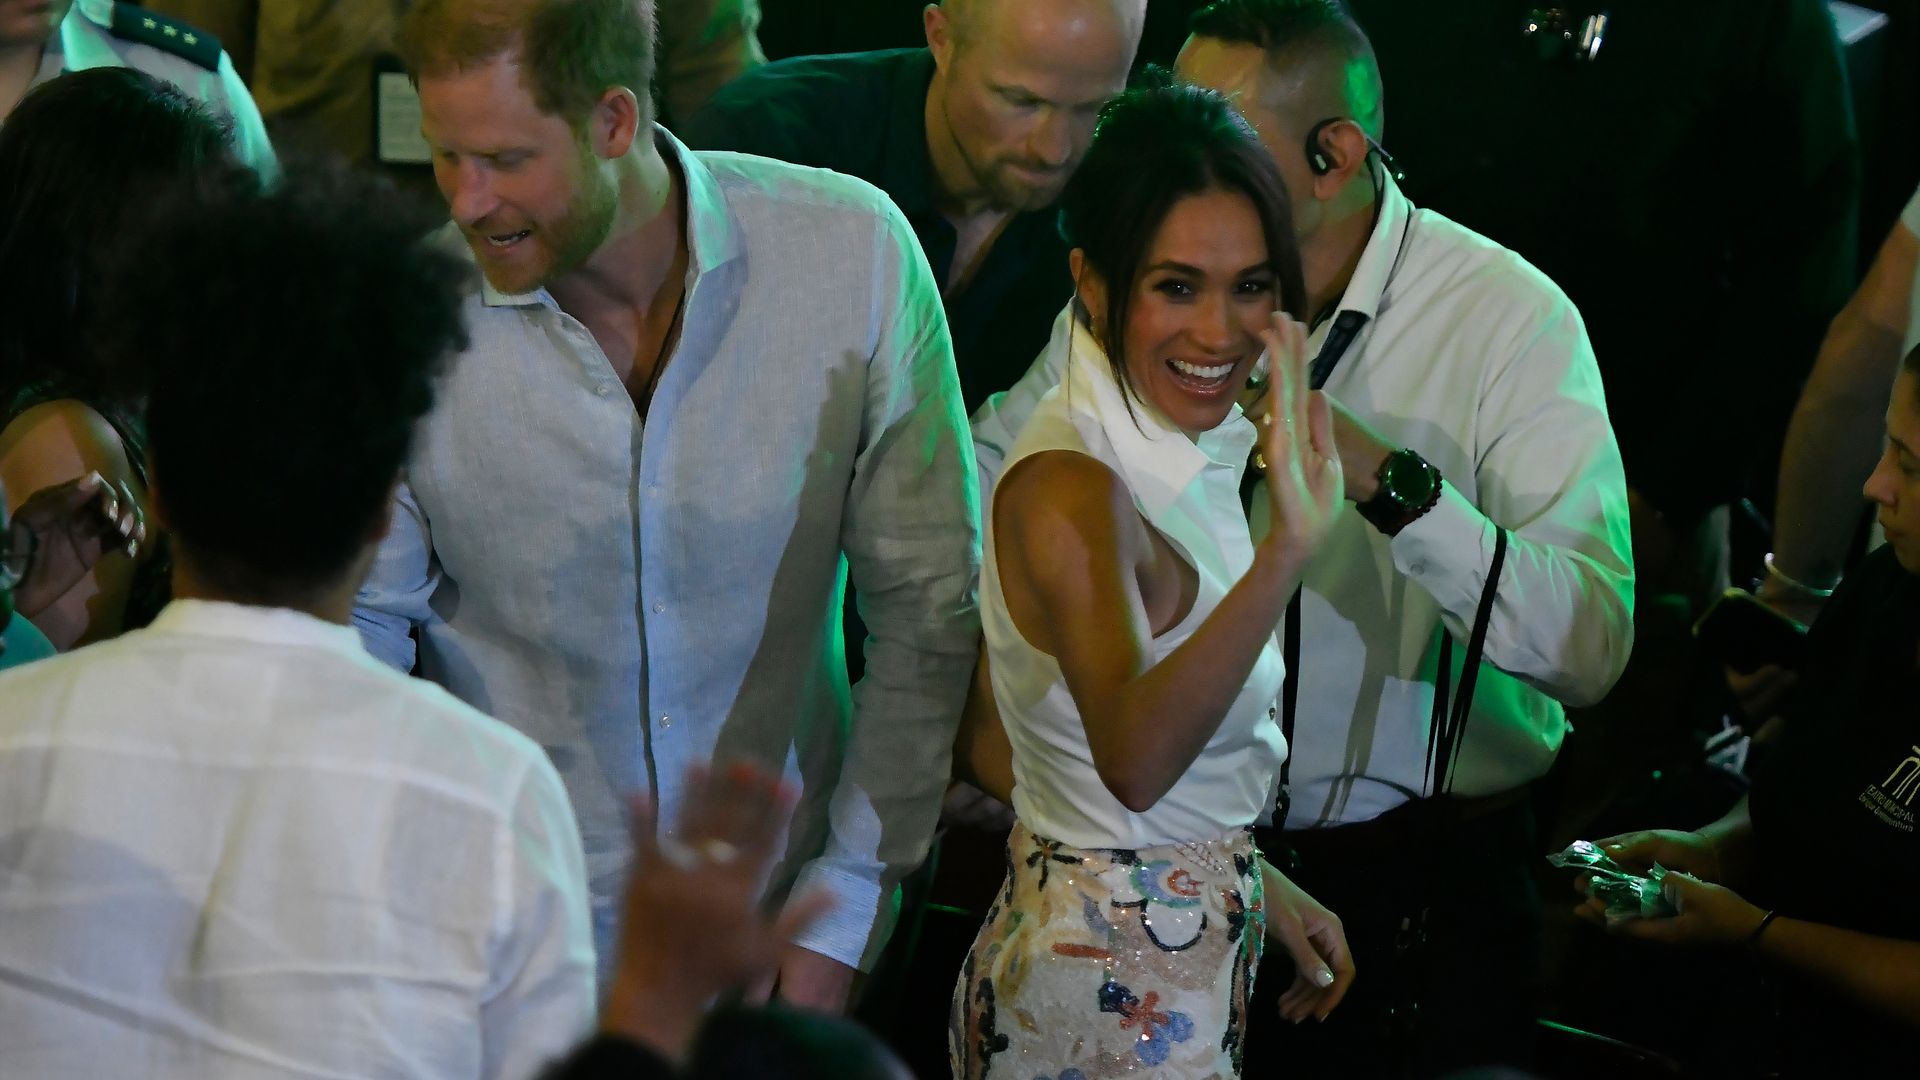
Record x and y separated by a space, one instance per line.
1627 895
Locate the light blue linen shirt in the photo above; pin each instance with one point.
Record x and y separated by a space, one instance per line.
642 597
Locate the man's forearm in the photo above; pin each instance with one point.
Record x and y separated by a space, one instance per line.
1832 442
1733 851
1879 972
1562 619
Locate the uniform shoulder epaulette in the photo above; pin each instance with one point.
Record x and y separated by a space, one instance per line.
134 23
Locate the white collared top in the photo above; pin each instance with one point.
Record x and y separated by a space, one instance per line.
1188 492
84 42
1478 362
238 846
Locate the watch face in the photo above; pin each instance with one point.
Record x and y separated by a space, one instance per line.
1408 480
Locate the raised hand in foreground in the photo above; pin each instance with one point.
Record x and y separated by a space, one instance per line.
693 925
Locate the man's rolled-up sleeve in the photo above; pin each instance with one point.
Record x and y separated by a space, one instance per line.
911 533
1548 470
396 596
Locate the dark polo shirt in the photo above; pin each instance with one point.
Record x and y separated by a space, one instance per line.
1835 811
864 114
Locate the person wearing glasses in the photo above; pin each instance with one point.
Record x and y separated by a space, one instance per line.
66 206
53 541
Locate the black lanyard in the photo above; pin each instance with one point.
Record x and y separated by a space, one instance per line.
1448 724
1449 720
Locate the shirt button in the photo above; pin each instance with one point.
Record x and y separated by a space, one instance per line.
603 390
659 608
1418 568
666 721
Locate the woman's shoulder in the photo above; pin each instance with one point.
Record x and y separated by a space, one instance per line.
1057 495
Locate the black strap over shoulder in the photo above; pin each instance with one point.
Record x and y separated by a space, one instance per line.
134 23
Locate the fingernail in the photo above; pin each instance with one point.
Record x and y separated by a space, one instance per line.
1323 978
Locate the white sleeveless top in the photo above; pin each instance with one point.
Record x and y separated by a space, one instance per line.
1190 494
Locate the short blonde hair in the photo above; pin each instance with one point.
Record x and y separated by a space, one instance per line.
571 51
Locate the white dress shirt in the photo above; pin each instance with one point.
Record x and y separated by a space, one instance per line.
238 847
86 40
1475 360
642 596
1189 493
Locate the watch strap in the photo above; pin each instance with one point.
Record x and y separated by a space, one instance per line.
1389 515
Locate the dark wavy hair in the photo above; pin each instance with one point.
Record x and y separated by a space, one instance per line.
1153 147
289 348
82 157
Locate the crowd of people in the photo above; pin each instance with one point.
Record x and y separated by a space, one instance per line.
548 632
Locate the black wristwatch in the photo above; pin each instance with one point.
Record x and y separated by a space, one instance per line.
1409 487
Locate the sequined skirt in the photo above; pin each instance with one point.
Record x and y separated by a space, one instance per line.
1106 963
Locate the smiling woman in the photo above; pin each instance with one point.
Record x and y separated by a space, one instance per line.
1197 230
1129 623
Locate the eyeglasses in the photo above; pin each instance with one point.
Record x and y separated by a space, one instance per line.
17 544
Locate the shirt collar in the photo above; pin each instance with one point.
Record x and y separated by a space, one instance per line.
1157 460
713 236
78 44
907 173
260 625
1375 269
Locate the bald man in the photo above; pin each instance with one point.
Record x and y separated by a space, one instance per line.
973 137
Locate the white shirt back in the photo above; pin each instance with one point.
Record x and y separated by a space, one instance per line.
1190 494
237 846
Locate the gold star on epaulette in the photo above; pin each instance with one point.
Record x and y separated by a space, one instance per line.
149 24
171 32
190 39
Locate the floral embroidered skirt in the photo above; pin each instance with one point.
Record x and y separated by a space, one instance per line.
1108 963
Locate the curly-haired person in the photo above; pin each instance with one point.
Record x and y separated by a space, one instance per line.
240 846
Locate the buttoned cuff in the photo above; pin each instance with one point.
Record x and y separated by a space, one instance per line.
857 927
1448 551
